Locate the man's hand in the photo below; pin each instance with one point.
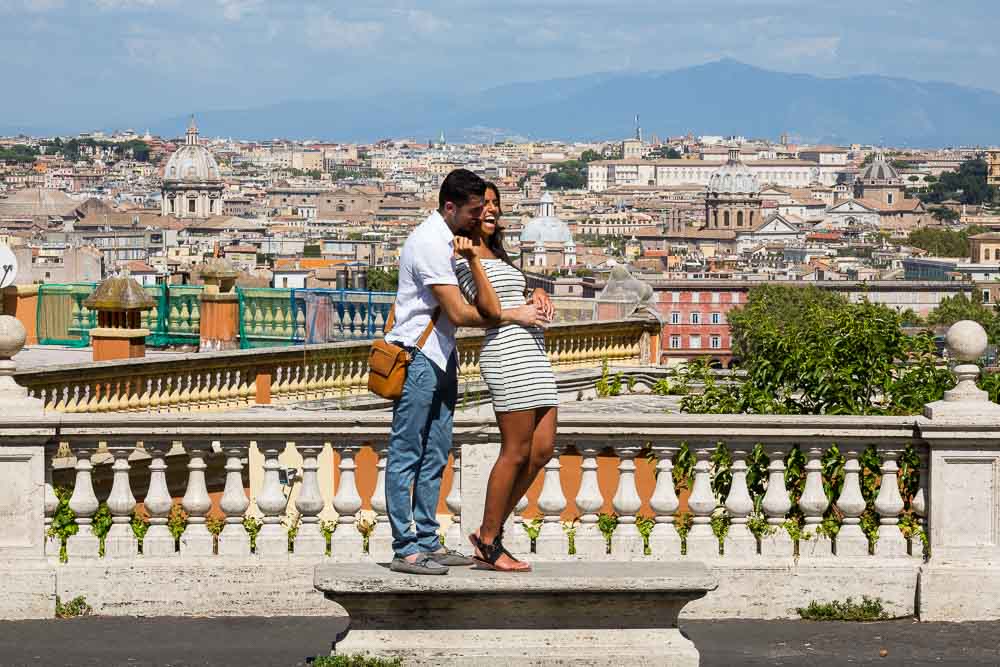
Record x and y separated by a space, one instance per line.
540 298
465 248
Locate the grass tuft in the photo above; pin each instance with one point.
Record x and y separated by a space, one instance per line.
354 661
868 609
74 608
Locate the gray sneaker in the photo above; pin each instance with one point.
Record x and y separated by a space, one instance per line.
424 564
446 556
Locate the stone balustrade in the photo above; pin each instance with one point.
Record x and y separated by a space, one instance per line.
219 381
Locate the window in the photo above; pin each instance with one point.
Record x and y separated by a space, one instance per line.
696 297
736 297
171 205
211 206
716 318
675 317
889 198
986 252
716 297
284 282
986 296
675 342
695 342
739 218
675 297
716 342
191 204
695 318
725 218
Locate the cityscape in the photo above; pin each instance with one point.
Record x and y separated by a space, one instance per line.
663 333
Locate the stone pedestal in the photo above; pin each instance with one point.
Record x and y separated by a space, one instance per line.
110 344
610 613
219 321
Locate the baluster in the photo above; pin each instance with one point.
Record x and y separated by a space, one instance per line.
701 541
271 501
588 539
380 540
851 540
120 541
813 504
309 539
888 504
52 542
519 542
919 506
215 390
739 541
776 505
347 543
453 538
158 540
664 542
234 540
196 540
551 539
626 542
84 504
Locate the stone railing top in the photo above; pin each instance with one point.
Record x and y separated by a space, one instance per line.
257 356
579 577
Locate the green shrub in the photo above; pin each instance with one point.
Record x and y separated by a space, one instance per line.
869 609
74 608
354 661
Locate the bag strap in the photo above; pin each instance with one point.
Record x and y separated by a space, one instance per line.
390 322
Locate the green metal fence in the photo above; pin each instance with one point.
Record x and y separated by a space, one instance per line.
60 315
274 317
175 318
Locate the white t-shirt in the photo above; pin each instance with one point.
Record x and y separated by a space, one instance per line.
427 259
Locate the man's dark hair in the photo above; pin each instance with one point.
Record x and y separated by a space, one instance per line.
458 186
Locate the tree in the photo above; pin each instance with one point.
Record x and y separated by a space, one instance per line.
665 152
568 175
383 280
590 156
967 185
521 181
944 242
810 351
960 307
943 213
18 154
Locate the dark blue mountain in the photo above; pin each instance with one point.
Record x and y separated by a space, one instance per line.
724 97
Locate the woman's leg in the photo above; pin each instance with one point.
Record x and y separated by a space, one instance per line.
516 432
543 441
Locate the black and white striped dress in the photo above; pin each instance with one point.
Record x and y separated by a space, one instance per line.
513 360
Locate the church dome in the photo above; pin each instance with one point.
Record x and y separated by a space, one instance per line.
546 230
192 162
734 178
879 170
546 227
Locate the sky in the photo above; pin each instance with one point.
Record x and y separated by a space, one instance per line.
89 64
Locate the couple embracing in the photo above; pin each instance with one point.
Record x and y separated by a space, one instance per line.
454 272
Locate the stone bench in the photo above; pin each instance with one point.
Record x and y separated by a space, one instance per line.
562 613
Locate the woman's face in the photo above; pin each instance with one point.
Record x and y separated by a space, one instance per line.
490 217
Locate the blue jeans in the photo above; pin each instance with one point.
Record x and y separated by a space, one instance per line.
419 443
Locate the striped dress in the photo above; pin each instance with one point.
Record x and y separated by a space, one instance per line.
513 360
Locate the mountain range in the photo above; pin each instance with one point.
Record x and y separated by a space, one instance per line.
724 97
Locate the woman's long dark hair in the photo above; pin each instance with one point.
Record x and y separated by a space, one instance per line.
495 240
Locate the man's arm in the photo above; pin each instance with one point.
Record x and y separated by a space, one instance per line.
487 300
463 314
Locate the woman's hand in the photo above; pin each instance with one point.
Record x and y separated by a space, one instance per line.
540 298
465 248
528 315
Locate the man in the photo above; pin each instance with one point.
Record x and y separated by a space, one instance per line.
422 418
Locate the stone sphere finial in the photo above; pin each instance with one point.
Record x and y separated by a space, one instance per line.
12 336
966 341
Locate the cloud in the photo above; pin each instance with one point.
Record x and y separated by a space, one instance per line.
326 32
811 47
118 5
234 10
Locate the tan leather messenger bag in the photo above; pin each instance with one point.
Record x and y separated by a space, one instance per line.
387 361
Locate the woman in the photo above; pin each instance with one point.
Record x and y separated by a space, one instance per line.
516 368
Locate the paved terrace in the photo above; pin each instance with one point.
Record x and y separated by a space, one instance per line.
291 641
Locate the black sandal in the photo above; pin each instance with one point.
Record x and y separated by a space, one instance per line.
490 552
498 542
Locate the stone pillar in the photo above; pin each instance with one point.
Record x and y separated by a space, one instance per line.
220 323
21 302
961 580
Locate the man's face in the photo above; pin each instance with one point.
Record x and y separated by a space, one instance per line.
466 216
